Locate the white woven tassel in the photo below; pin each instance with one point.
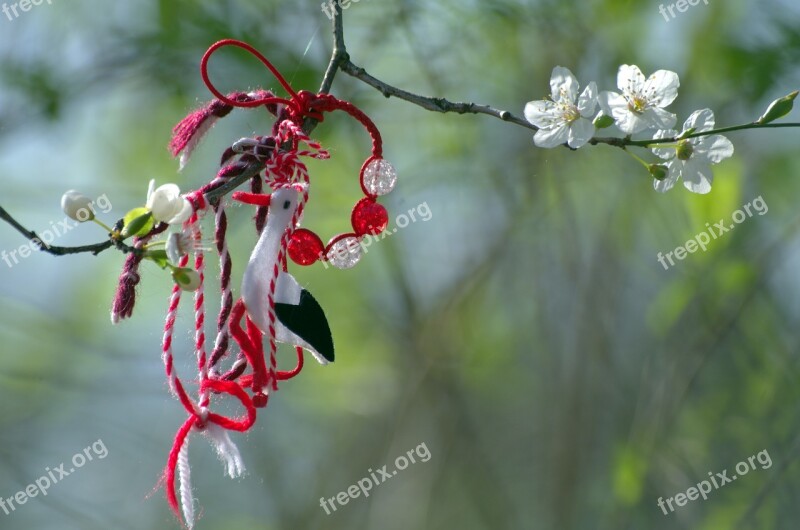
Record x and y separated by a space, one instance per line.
185 477
226 450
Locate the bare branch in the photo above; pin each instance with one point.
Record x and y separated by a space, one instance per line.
95 249
432 104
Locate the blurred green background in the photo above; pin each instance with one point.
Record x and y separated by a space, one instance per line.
526 333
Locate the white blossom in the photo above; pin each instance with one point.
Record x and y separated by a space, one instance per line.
566 117
179 244
691 158
640 105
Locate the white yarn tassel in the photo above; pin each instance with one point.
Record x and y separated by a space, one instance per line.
226 450
185 477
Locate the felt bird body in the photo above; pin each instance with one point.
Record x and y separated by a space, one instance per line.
300 320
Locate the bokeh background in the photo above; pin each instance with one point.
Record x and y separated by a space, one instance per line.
526 333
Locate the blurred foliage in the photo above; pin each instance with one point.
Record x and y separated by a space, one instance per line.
560 377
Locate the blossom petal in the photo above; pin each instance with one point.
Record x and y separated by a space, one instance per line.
184 211
714 148
669 181
150 189
630 122
661 88
697 175
173 247
630 78
667 153
616 106
587 102
563 82
551 137
702 120
609 101
580 132
659 118
540 113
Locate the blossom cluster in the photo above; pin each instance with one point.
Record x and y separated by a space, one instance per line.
164 204
572 117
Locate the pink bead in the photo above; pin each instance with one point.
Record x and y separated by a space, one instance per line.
369 217
305 247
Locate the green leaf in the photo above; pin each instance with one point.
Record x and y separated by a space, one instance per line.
137 222
159 257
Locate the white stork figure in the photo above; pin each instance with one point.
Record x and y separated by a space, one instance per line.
300 320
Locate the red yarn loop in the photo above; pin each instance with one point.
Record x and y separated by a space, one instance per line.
292 103
300 105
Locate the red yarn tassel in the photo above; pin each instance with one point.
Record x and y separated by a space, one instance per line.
186 135
125 297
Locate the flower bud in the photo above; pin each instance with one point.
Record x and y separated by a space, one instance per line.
685 150
603 120
658 171
187 279
778 108
77 207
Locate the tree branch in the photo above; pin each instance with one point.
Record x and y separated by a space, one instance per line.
95 249
432 104
341 59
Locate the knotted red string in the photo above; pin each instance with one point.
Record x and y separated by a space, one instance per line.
300 105
194 421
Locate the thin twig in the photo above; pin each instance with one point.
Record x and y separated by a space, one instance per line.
95 249
341 59
432 104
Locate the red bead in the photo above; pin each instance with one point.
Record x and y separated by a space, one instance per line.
260 400
305 247
369 217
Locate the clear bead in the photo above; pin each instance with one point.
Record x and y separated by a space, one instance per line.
380 177
345 253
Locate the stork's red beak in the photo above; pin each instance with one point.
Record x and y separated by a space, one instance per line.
256 199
